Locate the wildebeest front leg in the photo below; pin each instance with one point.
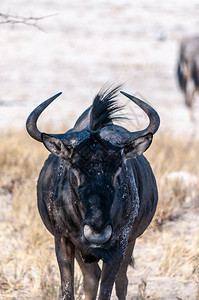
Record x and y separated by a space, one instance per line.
121 281
65 251
91 276
109 272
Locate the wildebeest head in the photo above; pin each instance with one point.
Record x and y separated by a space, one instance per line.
95 155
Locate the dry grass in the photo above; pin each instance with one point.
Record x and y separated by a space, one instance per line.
25 265
181 258
170 154
28 267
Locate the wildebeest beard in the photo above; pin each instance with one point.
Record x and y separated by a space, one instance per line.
108 255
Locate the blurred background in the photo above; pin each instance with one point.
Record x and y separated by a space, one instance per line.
76 47
82 45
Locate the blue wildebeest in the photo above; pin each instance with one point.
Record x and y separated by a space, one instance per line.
188 69
96 193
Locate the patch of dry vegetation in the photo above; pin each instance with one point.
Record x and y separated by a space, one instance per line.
169 154
25 245
181 258
28 267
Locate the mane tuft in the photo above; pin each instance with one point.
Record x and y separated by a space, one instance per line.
105 108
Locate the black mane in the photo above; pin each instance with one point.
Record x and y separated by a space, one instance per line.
105 108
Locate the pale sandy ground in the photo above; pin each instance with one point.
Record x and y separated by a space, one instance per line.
81 48
149 256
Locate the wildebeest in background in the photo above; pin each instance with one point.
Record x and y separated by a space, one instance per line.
96 193
188 69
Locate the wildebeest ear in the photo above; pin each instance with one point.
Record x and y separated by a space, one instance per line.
56 146
138 146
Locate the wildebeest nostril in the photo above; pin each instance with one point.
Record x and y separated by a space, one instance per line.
97 238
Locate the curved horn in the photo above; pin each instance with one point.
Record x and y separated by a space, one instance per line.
70 138
151 113
31 123
121 137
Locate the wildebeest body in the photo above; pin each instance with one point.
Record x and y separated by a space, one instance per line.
188 69
63 214
96 195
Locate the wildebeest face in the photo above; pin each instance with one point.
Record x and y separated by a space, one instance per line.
96 167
